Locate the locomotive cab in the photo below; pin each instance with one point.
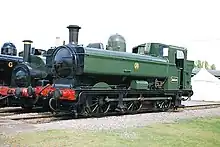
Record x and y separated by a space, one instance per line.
153 49
174 54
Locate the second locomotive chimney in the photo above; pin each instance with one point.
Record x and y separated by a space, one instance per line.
27 50
73 33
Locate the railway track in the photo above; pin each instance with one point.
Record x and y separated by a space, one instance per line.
35 117
204 106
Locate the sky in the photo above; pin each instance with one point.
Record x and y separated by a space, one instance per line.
193 24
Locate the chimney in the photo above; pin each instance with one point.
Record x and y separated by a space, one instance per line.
27 50
73 33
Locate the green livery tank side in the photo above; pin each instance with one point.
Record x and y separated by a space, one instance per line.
122 63
147 60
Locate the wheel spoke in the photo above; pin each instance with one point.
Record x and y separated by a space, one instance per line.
134 105
94 104
131 106
95 108
106 107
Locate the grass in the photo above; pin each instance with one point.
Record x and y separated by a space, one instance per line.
190 133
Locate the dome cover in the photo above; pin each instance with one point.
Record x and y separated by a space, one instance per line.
9 48
116 43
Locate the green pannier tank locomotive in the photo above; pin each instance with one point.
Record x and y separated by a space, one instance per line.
95 80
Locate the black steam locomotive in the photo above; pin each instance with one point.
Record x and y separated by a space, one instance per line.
18 71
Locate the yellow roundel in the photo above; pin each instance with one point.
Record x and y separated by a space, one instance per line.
10 64
136 66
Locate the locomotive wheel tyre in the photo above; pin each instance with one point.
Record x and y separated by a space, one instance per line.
167 105
52 106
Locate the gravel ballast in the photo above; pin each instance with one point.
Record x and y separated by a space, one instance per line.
12 127
127 121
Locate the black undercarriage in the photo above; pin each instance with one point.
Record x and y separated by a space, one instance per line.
101 102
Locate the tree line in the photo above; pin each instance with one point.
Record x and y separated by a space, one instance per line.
205 64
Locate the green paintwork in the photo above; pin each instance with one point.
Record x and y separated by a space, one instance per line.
147 60
187 74
173 74
154 49
139 84
113 63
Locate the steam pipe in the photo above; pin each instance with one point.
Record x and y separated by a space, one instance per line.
27 50
73 33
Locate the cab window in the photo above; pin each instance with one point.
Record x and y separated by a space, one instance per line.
179 54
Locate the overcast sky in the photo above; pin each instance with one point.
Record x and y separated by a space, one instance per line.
190 23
